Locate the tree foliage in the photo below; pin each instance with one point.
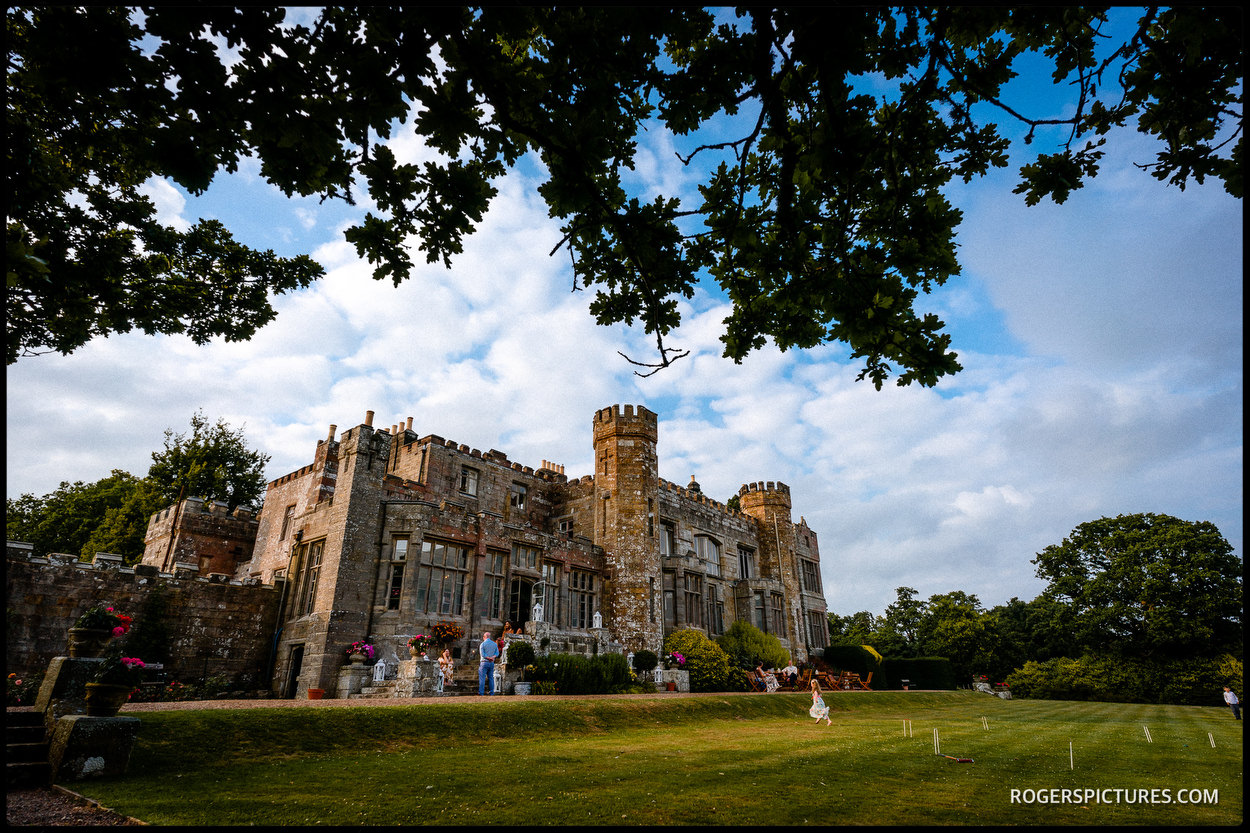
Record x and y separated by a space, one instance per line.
212 462
821 213
1147 585
747 646
112 514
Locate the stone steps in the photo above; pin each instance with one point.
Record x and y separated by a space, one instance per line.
26 751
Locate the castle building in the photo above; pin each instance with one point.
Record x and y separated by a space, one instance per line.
386 533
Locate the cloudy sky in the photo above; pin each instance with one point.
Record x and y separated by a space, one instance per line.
1101 342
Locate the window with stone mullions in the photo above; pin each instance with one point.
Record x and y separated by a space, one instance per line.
310 572
777 615
582 600
551 593
693 596
399 555
441 578
746 563
715 610
810 575
493 596
709 552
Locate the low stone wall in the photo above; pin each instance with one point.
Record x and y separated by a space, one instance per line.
216 626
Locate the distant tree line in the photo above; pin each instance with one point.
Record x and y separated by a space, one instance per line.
111 515
1140 608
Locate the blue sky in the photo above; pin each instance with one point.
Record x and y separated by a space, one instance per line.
1101 341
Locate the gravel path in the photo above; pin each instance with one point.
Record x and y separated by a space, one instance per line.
58 807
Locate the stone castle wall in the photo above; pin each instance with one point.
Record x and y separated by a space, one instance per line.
215 626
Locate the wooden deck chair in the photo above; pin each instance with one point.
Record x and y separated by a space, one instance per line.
754 681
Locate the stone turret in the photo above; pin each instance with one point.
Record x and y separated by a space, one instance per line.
769 504
627 485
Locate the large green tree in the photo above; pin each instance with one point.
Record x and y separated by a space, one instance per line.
212 461
821 212
1148 585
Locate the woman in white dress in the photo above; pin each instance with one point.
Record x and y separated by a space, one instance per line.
819 710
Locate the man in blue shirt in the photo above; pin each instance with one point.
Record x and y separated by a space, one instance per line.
486 668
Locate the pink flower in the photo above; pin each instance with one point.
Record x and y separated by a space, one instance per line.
118 631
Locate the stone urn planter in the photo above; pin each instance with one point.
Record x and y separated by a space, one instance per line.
106 699
357 658
88 642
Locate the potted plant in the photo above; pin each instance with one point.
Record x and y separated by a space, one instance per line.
111 685
521 655
418 644
359 652
91 632
674 660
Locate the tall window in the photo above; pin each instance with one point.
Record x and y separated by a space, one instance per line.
582 599
516 496
810 576
715 610
668 539
760 611
468 480
441 578
709 553
817 629
309 573
287 517
777 615
670 599
551 593
399 555
746 563
692 590
493 588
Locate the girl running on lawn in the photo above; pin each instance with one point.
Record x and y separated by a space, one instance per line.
819 710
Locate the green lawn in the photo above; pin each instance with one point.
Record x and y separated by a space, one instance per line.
708 760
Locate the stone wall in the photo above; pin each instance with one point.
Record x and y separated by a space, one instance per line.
215 626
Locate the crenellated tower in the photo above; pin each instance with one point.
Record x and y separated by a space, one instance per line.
627 485
769 504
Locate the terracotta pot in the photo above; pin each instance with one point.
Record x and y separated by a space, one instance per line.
316 693
88 642
671 686
106 699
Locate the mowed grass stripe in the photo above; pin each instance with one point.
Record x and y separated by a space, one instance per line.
715 760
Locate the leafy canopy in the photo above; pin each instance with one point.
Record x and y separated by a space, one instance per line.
112 514
823 136
1148 585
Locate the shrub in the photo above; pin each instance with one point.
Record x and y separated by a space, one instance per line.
707 664
645 661
1188 682
747 646
520 654
575 674
922 672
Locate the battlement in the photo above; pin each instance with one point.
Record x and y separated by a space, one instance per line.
624 419
762 486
